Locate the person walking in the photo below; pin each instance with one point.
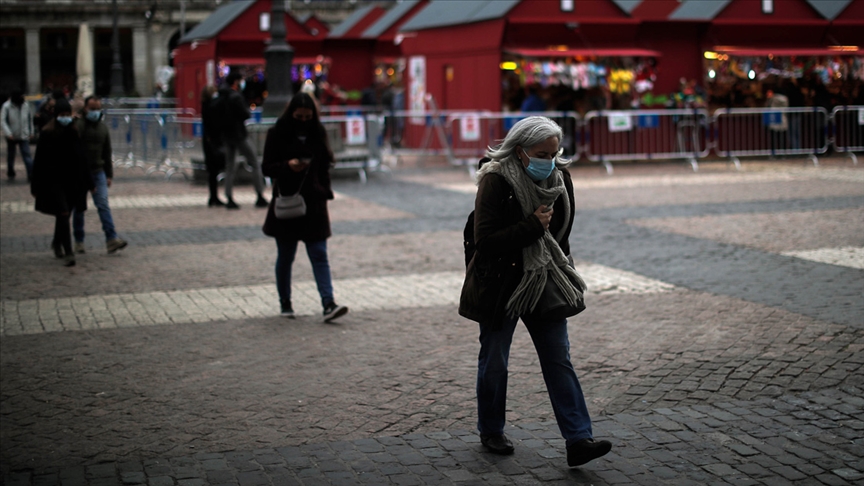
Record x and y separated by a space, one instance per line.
214 150
522 221
234 112
298 158
97 150
16 119
61 177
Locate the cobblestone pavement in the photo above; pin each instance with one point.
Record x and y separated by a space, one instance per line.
723 341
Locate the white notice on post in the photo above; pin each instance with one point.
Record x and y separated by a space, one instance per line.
861 117
619 121
355 130
470 127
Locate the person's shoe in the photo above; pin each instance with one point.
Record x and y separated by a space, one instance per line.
79 247
116 244
58 249
497 444
587 450
232 205
261 202
69 261
214 201
287 311
333 311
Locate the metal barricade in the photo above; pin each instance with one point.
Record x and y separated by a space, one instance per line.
149 139
470 134
646 134
848 123
353 138
772 132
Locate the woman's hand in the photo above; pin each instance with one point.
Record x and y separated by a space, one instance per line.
544 214
297 165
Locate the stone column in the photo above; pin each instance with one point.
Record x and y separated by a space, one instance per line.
34 62
140 63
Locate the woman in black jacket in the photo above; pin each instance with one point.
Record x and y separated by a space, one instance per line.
523 215
211 141
298 158
61 177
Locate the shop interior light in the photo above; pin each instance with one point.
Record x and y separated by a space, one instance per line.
711 74
560 47
711 55
844 48
508 66
751 74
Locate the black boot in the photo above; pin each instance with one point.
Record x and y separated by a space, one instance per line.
261 202
231 204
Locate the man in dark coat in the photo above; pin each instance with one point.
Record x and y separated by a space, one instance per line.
97 150
234 112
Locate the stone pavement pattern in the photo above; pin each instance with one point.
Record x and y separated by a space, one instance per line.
723 342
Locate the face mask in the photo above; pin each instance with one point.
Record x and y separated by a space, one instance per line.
64 120
242 85
94 115
539 169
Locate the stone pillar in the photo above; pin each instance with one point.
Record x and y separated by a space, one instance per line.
34 61
140 66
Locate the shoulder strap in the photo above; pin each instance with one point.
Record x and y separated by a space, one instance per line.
298 188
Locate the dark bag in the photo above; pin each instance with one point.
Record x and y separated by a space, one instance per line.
553 306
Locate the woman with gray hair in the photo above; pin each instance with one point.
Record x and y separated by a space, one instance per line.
523 215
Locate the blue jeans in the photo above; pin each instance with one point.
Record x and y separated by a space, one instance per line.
100 200
24 146
553 349
317 252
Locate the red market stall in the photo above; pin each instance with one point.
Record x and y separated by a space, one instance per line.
234 37
469 54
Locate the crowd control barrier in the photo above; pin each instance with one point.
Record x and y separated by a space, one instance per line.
848 123
646 134
773 132
149 139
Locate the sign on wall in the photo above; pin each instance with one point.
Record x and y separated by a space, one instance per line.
417 88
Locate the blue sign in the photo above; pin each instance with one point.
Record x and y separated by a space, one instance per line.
649 121
197 129
510 121
772 118
256 115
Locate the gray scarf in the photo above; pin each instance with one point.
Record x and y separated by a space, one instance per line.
544 258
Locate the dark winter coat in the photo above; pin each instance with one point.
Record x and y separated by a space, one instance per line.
97 145
282 145
500 234
60 179
214 153
236 114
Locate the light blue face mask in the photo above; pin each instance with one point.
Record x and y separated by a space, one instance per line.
539 169
94 115
64 120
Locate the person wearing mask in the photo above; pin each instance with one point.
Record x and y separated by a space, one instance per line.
298 158
61 177
234 112
16 119
97 149
523 215
214 150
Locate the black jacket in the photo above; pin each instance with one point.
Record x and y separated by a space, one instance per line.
282 145
60 178
236 112
501 233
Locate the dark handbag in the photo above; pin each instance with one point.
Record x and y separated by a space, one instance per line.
291 206
553 306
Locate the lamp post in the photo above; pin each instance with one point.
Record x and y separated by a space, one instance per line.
278 56
117 90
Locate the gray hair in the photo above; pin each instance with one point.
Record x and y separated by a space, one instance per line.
527 133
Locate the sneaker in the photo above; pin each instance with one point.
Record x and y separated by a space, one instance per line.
587 450
69 261
287 312
261 202
333 311
497 444
79 247
116 244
